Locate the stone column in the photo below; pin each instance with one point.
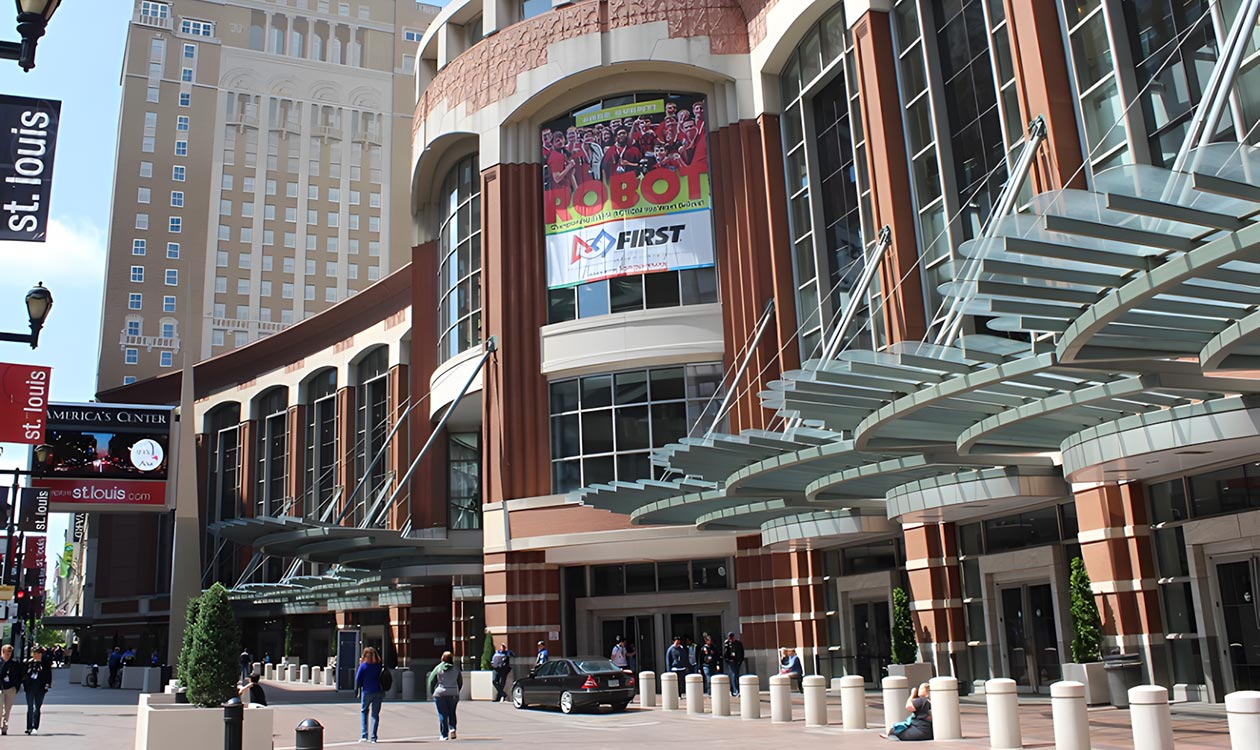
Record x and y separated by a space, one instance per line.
780 603
935 593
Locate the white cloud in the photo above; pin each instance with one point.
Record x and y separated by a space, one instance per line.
73 254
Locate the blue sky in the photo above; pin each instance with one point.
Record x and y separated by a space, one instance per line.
80 63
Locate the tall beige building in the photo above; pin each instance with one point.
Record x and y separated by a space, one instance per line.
257 179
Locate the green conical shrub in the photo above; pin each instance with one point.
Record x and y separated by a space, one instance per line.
185 650
212 666
905 649
1086 624
487 651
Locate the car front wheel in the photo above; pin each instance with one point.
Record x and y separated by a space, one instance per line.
518 697
566 702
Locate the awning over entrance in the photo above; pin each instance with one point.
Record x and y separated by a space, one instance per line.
1139 298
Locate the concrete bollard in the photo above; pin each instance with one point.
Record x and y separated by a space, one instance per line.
695 694
815 689
1243 711
256 669
269 671
408 685
946 718
853 702
1152 722
647 689
835 685
749 697
780 698
304 673
720 688
1002 702
669 691
896 692
294 671
330 675
1071 717
317 675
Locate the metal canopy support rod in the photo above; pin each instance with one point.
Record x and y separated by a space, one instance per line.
743 366
492 345
858 293
951 326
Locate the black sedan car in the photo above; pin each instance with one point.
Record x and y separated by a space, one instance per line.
571 684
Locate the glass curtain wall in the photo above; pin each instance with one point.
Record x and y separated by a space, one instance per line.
459 243
825 163
271 452
321 444
372 424
464 480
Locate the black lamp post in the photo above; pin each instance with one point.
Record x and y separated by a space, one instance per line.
39 302
32 18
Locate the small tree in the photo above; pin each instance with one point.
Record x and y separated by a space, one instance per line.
487 651
1086 624
905 649
216 644
288 640
185 649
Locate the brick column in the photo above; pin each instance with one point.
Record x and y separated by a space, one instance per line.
754 258
296 459
398 455
249 466
345 448
781 603
522 595
936 594
889 172
1115 542
1044 88
429 624
399 627
427 493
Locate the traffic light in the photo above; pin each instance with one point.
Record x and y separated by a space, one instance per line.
23 599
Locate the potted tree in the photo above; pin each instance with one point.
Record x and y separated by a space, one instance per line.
482 678
905 647
1086 667
208 670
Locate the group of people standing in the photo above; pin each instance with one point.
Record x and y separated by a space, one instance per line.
707 659
34 677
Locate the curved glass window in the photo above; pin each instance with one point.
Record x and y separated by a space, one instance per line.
459 247
604 427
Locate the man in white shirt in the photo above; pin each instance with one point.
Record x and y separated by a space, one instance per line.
619 657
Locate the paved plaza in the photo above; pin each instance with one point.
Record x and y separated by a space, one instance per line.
76 717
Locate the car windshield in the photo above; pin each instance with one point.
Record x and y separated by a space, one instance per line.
591 666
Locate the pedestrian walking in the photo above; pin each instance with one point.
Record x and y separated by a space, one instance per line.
10 680
676 662
37 681
501 663
619 657
445 682
710 660
632 658
367 682
115 666
733 660
247 661
155 659
693 662
542 657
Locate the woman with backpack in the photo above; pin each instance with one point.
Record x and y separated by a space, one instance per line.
371 681
445 682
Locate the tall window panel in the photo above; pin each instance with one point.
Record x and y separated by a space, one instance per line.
459 243
371 425
223 484
464 480
321 445
824 176
604 427
271 412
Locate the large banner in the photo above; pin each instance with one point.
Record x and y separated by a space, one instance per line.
626 190
26 166
23 403
106 457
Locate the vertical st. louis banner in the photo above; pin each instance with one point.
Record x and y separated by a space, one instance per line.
626 190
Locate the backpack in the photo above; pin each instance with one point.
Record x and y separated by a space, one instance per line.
387 679
499 660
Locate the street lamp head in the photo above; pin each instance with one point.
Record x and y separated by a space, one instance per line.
39 303
41 454
33 17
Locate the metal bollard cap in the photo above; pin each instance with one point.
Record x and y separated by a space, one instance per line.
309 724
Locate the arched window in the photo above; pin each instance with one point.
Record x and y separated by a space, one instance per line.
271 412
459 248
321 444
372 424
223 485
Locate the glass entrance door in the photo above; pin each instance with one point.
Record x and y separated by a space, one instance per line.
639 632
1030 636
1240 597
872 640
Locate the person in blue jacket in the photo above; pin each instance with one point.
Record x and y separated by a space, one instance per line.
367 682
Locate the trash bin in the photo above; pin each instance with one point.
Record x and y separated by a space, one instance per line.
1124 671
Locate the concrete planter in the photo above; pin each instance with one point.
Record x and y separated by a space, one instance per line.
77 673
916 673
161 725
1093 677
482 684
